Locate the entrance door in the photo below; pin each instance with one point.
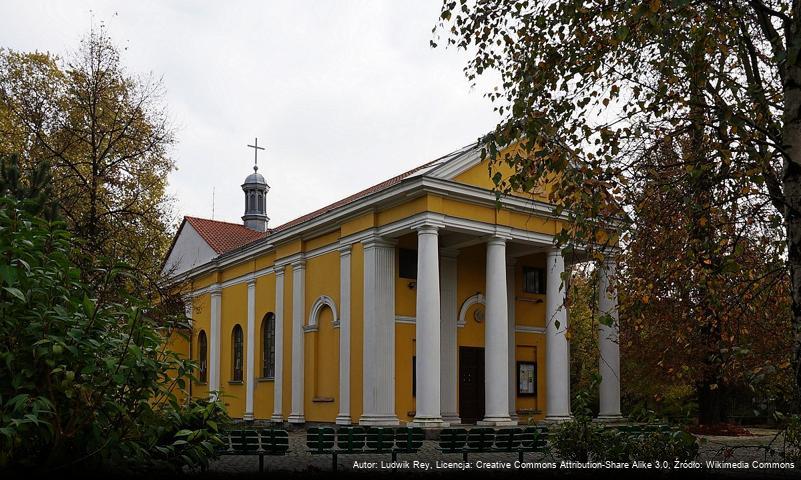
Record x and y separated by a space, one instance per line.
471 384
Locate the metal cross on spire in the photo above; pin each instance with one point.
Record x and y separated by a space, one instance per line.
256 149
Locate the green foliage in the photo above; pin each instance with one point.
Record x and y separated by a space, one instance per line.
83 381
582 439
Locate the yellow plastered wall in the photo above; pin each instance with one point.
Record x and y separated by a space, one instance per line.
529 307
179 341
322 370
405 288
471 265
530 312
358 224
531 348
201 322
234 312
321 360
480 175
265 302
402 211
404 351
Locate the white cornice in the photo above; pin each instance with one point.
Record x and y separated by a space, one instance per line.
402 192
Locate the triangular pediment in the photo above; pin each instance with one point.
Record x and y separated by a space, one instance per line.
467 167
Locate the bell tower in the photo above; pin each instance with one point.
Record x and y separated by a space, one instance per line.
256 188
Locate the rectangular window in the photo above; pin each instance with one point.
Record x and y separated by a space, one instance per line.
407 263
534 280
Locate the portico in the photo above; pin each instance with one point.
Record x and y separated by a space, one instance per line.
440 315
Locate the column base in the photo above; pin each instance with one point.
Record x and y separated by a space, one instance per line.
379 420
343 420
451 419
427 422
248 417
610 418
497 422
277 418
557 418
296 418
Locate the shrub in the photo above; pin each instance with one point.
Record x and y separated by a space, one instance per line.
583 439
85 382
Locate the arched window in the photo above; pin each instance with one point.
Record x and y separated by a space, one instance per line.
238 353
202 349
268 346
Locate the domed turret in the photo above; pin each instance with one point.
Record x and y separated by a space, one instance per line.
256 188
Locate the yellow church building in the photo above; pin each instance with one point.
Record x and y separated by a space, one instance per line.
420 300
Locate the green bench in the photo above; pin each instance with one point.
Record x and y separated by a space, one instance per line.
487 440
268 442
362 440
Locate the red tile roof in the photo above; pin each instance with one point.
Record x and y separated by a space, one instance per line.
224 236
367 191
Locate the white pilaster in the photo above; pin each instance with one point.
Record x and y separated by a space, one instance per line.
496 337
449 376
609 346
298 350
250 374
189 309
557 360
214 344
510 301
343 417
427 329
379 333
278 379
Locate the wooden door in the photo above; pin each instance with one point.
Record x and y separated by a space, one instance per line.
471 384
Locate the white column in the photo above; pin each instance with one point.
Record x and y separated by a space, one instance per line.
510 302
609 346
250 374
298 350
496 337
557 349
343 417
214 347
379 333
449 375
427 329
278 379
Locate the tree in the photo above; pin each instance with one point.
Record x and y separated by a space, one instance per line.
588 89
668 345
107 138
84 381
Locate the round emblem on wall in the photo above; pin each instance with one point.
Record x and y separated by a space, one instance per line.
478 315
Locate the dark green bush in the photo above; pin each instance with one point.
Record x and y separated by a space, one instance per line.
85 382
583 439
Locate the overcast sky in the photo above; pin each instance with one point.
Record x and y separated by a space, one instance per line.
344 94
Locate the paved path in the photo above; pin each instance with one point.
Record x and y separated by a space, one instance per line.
724 449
